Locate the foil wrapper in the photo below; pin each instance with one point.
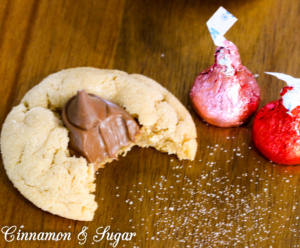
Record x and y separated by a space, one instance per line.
226 94
276 131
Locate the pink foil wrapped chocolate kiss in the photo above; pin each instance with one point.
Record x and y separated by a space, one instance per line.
225 94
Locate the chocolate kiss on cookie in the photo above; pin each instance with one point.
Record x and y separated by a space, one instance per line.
98 128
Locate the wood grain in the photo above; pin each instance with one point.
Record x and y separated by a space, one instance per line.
230 196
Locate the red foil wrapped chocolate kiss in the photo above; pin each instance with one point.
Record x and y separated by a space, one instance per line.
276 128
225 94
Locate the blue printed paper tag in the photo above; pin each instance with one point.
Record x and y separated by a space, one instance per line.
219 24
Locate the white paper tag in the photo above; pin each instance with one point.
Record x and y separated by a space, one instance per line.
291 99
290 81
219 24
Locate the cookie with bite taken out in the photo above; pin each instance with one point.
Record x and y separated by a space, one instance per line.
51 161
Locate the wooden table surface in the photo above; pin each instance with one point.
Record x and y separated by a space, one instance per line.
230 196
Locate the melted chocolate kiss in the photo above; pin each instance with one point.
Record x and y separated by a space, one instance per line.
98 128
